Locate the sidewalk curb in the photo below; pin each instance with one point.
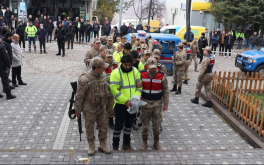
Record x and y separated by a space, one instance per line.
248 134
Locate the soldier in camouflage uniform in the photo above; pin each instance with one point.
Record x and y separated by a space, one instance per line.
91 53
142 41
205 78
104 40
91 99
156 95
133 40
142 51
110 43
150 43
136 46
123 39
112 65
179 66
194 50
145 56
188 62
161 67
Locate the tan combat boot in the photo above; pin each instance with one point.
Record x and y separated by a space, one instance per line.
127 146
91 149
196 70
144 143
156 144
103 148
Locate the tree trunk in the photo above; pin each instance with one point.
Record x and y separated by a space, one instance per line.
230 27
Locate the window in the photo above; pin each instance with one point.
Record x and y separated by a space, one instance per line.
168 47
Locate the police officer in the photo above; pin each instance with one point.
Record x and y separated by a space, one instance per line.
60 34
179 65
4 64
150 43
155 94
110 43
161 67
112 66
91 53
123 85
188 61
205 78
92 99
194 50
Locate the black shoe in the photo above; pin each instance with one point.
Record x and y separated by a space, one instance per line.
174 88
58 54
11 87
178 91
14 85
207 104
111 123
185 82
1 96
195 100
22 83
63 55
10 97
140 124
115 148
9 80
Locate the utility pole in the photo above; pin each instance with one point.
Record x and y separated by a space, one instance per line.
188 15
150 5
120 14
141 12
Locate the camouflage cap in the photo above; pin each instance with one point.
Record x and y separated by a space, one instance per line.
97 40
133 36
99 62
195 39
104 38
138 38
144 46
156 53
208 48
110 38
152 63
103 48
142 40
180 44
184 41
109 53
146 52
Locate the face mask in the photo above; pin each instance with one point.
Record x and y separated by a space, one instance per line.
41 27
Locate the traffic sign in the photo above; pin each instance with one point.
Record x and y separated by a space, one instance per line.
22 6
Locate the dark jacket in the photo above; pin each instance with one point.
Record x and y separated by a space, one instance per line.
132 30
60 33
7 44
107 28
139 27
202 43
231 40
8 14
261 42
253 40
1 13
116 33
70 31
96 27
52 12
248 34
2 21
49 27
215 39
75 24
88 28
45 22
191 36
4 59
124 30
82 27
20 30
41 19
41 33
58 22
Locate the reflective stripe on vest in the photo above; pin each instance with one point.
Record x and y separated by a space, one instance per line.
152 88
210 67
31 31
188 51
122 81
108 70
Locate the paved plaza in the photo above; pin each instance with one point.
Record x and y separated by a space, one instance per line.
36 129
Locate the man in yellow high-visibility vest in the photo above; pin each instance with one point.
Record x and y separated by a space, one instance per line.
31 31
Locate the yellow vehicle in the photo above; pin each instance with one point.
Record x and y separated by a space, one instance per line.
179 30
154 25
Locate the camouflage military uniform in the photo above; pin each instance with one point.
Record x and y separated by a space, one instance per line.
135 46
90 54
151 45
195 49
111 47
188 62
180 57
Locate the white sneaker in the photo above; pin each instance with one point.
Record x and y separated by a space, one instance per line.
229 56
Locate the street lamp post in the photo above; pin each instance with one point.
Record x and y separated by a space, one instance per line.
150 5
188 14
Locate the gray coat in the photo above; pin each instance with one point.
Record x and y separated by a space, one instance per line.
253 40
17 59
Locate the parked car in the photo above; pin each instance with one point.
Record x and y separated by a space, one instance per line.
251 61
167 41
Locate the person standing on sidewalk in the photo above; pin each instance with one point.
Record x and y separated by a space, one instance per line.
123 85
156 93
194 50
21 32
88 30
205 78
229 41
261 42
50 28
240 38
96 29
31 31
107 28
188 61
222 43
81 31
91 53
91 99
42 35
60 34
202 43
215 41
248 34
70 35
17 62
253 40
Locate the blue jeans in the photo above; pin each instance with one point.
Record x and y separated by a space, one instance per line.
252 47
246 43
239 43
49 34
87 36
121 116
29 43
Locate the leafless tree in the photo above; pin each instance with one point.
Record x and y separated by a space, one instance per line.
138 9
157 9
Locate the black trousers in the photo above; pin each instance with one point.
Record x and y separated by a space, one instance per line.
201 54
16 74
77 34
214 46
42 44
106 34
70 39
96 34
228 47
4 78
61 45
81 36
21 39
221 48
